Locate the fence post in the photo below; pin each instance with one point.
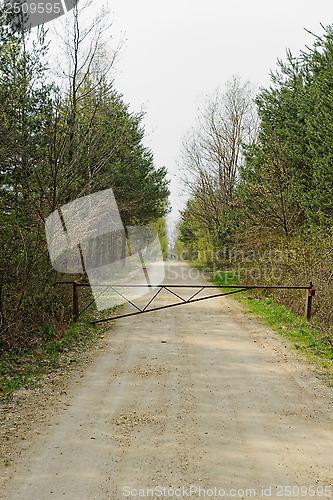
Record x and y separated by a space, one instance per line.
75 302
308 302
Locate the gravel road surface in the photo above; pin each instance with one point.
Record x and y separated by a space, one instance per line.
196 401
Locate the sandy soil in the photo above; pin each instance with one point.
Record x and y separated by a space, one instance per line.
196 401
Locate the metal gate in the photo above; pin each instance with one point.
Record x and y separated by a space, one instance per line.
310 292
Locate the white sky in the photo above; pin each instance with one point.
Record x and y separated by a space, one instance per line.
179 50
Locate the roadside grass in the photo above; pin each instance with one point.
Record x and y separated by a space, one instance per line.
198 265
26 369
308 337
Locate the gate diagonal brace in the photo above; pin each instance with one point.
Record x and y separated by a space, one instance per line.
167 288
235 289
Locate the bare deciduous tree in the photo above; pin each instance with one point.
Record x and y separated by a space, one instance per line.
213 151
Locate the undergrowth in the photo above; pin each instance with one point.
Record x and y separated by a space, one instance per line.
25 369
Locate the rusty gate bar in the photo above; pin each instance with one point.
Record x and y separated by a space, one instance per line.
189 286
236 289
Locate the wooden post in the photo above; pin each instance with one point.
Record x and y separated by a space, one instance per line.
308 302
75 302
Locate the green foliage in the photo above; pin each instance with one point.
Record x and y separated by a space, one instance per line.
290 168
160 227
47 332
56 146
196 231
26 369
267 191
224 278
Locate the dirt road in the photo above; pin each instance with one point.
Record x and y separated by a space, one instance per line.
197 401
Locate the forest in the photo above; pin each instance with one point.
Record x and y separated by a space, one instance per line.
61 139
258 168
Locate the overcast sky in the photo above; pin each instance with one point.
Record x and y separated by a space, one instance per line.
179 50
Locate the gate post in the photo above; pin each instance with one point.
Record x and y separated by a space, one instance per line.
308 302
75 302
